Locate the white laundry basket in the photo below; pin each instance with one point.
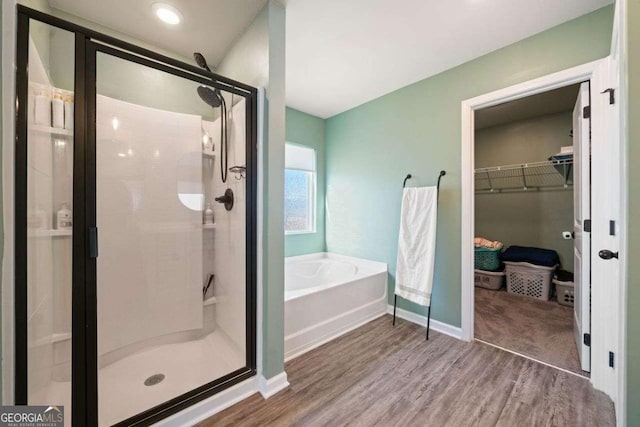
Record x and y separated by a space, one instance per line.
489 279
529 279
564 291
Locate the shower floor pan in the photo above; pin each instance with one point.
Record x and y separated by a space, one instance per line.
122 389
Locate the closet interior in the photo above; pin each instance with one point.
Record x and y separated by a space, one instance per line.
527 202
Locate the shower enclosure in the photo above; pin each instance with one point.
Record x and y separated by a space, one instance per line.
135 252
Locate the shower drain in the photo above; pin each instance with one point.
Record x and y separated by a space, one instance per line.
154 379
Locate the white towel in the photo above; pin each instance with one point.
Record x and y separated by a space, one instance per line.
417 244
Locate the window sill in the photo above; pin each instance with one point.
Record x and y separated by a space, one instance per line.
294 233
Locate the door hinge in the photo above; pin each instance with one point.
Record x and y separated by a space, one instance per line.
587 225
611 359
586 112
587 340
93 242
612 97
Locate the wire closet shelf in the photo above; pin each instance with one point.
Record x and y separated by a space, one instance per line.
550 174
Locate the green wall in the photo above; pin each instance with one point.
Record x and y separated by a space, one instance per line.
258 58
273 245
43 6
117 78
417 130
308 130
633 158
526 218
127 81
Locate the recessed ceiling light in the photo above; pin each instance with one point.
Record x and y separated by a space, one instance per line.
167 14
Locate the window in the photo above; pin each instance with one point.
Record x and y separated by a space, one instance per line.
299 189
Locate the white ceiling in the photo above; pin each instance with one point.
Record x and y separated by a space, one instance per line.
209 26
550 102
343 53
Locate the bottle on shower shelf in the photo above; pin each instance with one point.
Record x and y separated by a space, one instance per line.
37 218
57 111
42 109
68 112
63 218
208 215
42 218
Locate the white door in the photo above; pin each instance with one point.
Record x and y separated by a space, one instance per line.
582 216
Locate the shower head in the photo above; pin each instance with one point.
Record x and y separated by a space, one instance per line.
202 63
209 96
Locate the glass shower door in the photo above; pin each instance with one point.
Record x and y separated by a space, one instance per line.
171 279
44 233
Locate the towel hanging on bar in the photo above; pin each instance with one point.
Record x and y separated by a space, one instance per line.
417 244
395 297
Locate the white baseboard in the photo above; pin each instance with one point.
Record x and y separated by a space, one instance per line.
212 405
223 400
271 386
434 325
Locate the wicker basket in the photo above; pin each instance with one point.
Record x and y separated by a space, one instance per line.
489 279
564 291
487 259
529 280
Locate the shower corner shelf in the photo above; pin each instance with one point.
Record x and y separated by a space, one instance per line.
51 130
524 177
50 233
209 154
210 301
209 226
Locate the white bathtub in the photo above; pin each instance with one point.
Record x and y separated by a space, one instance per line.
327 295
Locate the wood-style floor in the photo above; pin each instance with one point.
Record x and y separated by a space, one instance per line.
539 329
378 375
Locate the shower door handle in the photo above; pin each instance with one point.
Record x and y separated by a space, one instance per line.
93 242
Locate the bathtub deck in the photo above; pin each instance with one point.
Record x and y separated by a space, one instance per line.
380 375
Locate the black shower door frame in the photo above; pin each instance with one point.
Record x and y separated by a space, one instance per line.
84 380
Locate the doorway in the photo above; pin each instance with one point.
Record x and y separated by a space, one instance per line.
607 230
135 249
532 187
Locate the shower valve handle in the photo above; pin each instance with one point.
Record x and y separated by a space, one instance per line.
226 199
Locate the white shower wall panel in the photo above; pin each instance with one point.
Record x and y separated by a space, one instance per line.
40 257
48 256
150 261
230 242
